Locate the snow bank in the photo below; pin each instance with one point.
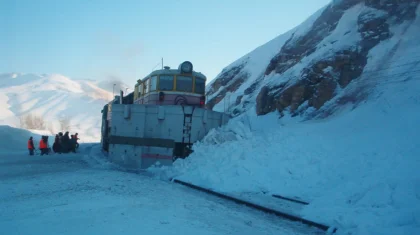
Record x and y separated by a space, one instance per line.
360 171
15 139
358 168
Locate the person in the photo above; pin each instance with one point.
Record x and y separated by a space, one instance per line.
43 145
31 146
56 145
65 143
77 138
60 140
73 143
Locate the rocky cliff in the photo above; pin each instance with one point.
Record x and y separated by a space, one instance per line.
314 63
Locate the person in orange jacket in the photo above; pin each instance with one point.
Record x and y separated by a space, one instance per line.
31 146
43 146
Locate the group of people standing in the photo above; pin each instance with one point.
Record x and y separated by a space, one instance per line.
62 144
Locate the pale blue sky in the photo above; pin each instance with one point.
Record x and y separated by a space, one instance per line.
97 39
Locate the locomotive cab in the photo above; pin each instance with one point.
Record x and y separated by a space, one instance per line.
181 86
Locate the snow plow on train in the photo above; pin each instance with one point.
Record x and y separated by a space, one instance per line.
160 120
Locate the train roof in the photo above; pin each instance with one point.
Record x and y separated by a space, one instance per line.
179 71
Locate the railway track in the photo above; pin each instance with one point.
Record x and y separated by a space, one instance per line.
283 214
290 199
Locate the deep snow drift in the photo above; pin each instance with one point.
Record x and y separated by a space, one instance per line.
15 139
359 170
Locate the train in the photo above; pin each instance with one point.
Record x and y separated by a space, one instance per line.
160 120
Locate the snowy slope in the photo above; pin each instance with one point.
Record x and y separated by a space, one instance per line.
359 175
359 170
15 139
53 97
251 67
311 64
355 158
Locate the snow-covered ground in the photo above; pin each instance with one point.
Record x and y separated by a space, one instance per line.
16 140
74 194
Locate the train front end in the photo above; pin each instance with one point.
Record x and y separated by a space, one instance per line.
164 117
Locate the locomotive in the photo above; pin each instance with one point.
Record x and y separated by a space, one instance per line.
160 120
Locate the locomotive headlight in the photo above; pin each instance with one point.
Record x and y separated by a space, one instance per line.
161 96
186 67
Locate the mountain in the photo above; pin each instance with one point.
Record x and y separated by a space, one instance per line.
54 99
327 113
332 59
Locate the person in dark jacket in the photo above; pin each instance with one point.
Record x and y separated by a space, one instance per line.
77 138
65 143
31 146
60 137
56 145
73 143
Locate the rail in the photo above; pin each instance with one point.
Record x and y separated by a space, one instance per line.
259 207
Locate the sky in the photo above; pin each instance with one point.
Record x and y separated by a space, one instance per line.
126 39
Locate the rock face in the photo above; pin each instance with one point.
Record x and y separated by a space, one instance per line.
295 49
227 81
289 82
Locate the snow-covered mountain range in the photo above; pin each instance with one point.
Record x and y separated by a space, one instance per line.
57 99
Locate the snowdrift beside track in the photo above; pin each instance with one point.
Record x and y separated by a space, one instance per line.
15 139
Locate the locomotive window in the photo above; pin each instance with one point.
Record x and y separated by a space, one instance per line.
147 88
136 91
199 85
184 83
153 83
166 82
141 89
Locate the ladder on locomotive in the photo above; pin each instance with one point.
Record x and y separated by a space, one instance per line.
186 134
